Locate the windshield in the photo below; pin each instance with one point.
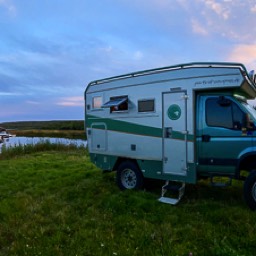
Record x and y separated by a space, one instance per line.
250 109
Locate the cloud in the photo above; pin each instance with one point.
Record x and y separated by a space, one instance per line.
9 6
8 94
221 9
244 53
138 55
56 66
198 28
217 20
253 8
75 101
31 102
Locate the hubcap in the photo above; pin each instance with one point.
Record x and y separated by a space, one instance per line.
129 179
254 191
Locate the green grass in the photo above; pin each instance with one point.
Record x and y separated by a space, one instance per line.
54 201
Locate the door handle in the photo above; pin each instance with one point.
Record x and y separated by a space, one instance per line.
168 132
206 138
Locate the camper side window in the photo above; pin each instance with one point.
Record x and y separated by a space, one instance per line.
96 102
121 107
117 104
227 115
146 105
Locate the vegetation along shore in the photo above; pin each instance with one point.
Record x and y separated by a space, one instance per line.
73 129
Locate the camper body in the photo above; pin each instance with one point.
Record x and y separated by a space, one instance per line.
179 123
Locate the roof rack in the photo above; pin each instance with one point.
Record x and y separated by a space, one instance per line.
168 68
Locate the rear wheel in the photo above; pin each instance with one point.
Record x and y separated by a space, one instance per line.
129 176
250 190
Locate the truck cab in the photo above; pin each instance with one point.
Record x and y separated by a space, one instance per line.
225 139
225 134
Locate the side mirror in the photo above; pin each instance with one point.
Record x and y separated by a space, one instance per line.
249 123
252 76
224 102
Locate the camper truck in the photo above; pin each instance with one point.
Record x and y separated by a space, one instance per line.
178 124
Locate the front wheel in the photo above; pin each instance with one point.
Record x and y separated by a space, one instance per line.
129 176
250 190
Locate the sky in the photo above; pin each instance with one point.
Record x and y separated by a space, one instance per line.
50 50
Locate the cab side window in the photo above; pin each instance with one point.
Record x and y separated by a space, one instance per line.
225 114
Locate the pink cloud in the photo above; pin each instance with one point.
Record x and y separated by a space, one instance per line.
75 101
244 53
198 28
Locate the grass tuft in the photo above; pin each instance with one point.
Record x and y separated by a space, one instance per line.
42 145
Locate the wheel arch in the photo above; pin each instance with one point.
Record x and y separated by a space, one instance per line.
123 159
247 162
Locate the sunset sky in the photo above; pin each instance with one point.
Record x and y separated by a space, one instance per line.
50 50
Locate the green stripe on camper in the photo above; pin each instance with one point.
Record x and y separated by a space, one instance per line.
126 127
137 129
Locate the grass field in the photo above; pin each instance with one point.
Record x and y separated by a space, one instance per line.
54 201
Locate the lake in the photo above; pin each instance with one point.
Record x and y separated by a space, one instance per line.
33 140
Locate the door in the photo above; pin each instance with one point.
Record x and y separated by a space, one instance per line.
98 136
222 136
175 133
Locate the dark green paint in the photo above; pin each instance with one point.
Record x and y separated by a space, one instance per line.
137 129
150 168
104 162
174 112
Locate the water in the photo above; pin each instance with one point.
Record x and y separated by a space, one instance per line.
15 141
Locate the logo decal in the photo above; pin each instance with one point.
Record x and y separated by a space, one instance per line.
174 112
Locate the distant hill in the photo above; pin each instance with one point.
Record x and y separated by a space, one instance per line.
44 125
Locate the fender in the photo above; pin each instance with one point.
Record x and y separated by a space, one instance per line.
246 160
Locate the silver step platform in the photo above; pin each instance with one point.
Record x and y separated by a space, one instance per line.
177 188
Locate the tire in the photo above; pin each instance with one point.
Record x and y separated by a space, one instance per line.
129 176
250 190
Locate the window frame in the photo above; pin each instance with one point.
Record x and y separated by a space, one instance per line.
147 100
97 105
117 102
232 105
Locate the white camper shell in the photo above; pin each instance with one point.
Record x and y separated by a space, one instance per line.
169 124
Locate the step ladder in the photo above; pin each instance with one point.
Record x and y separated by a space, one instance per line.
174 188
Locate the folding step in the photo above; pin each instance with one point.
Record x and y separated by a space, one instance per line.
174 188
